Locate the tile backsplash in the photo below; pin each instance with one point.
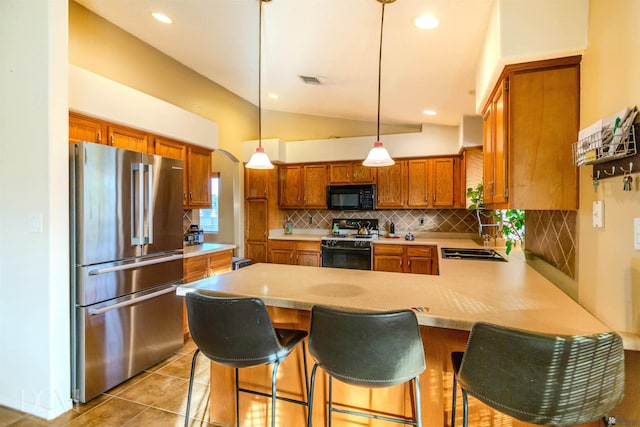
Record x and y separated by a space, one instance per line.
551 236
415 220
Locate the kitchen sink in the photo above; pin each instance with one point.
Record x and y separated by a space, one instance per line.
479 254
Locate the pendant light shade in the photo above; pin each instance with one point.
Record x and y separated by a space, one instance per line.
259 159
379 156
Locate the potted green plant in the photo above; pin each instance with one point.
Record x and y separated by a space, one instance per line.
509 223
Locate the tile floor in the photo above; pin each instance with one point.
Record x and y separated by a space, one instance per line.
155 397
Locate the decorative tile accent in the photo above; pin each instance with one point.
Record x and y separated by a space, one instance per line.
434 220
186 220
551 235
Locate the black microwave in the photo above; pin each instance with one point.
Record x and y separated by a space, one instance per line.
351 197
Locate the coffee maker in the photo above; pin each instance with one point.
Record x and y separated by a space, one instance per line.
194 236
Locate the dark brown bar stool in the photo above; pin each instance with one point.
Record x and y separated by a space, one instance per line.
237 332
372 349
550 380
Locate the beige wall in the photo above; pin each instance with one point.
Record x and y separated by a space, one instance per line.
608 266
99 46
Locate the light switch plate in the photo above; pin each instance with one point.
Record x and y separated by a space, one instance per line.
598 214
35 223
636 234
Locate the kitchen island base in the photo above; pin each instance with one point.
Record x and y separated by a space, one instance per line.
435 388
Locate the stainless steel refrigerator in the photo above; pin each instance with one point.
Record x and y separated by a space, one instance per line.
126 255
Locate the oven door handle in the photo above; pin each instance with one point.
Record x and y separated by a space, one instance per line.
337 248
95 311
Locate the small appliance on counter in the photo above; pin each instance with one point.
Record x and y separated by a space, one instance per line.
194 236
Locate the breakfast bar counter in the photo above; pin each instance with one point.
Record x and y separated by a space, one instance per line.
510 294
446 305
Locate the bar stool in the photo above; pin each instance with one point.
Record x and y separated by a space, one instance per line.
551 380
238 332
378 349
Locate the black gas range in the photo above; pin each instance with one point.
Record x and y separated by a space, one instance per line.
349 244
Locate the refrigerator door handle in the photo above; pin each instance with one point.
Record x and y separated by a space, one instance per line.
134 265
96 311
137 203
149 237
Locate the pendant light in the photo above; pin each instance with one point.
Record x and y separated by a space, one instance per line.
379 156
259 159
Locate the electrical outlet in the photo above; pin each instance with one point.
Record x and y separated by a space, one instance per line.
310 219
421 221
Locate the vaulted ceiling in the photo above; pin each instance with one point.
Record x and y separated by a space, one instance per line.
335 41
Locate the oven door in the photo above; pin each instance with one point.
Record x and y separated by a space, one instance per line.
353 258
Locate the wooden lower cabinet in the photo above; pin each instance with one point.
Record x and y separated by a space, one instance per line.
203 266
295 252
417 259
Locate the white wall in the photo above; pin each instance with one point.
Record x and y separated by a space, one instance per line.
525 30
34 302
97 96
433 140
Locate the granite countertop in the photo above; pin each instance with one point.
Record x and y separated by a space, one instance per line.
205 249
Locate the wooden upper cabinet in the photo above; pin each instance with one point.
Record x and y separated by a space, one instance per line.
302 186
290 181
176 150
351 173
495 188
82 128
363 174
256 183
432 183
315 186
443 178
418 184
530 122
127 138
391 185
198 177
340 173
170 148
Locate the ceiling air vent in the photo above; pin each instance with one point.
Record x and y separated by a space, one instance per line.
310 80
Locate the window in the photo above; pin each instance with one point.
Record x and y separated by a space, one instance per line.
209 217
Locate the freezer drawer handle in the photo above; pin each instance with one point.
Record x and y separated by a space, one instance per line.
96 311
134 265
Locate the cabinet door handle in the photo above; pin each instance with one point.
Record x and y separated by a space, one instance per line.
111 139
434 197
184 196
190 196
99 136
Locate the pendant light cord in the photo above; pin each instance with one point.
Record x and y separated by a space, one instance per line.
380 69
260 77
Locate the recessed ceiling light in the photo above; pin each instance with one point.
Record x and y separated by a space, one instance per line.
426 22
272 95
162 17
429 112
